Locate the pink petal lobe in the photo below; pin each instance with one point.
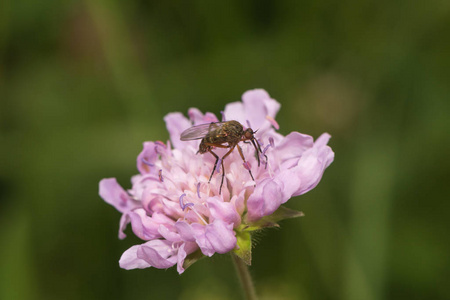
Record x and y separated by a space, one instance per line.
221 236
158 254
115 195
312 165
180 259
176 123
293 145
290 182
169 235
185 230
256 110
198 118
239 202
235 111
271 193
184 250
253 111
124 220
266 198
215 237
224 211
144 226
147 158
129 259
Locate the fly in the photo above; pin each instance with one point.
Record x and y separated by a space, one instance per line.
222 135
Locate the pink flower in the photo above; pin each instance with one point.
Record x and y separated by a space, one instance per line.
183 217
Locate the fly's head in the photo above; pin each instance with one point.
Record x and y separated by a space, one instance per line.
249 134
203 148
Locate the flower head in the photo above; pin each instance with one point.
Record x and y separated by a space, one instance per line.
182 213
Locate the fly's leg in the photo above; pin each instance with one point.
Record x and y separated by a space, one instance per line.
208 147
223 176
243 158
217 159
215 164
223 167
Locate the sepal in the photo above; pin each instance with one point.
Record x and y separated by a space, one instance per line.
244 246
272 220
192 258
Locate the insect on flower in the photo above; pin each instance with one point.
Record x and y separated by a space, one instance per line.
222 135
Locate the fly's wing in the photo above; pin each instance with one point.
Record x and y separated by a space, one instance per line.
199 131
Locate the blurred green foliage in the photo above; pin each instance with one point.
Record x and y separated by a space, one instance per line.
84 83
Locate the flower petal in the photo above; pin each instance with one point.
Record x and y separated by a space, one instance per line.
254 109
144 226
115 195
158 254
292 147
266 198
176 123
239 202
224 211
215 237
168 234
198 118
124 220
180 259
271 193
313 163
235 111
257 103
129 259
147 158
221 236
183 251
185 230
290 183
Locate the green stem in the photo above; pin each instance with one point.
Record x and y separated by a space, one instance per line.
244 277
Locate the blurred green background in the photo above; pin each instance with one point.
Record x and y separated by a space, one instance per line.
84 83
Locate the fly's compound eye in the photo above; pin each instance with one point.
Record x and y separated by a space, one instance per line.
248 134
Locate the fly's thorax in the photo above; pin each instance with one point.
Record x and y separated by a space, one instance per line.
233 130
234 126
